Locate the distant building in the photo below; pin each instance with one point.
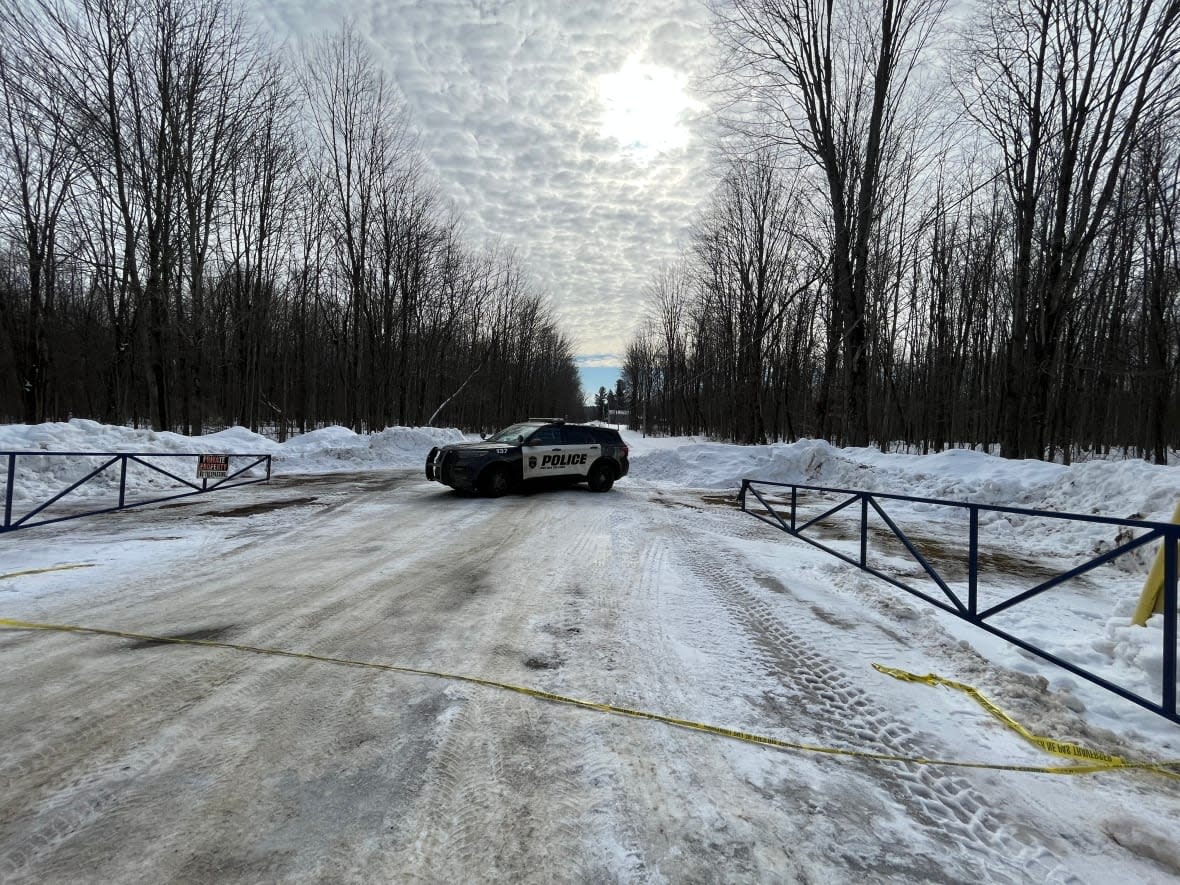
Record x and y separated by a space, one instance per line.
618 417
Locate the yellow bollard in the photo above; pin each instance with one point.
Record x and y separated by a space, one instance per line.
1151 600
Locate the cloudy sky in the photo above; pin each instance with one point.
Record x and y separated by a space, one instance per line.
569 129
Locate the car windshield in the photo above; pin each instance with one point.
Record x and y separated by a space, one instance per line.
514 434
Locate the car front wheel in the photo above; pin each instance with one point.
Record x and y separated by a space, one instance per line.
495 481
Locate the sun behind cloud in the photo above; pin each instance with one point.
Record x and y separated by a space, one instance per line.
644 108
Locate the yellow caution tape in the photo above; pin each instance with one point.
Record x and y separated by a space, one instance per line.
52 568
761 740
1049 745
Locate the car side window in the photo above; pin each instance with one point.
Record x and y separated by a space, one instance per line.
577 436
545 436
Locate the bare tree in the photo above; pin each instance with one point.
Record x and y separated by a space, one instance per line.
263 187
1159 168
40 165
361 133
230 111
828 79
670 296
1063 89
753 268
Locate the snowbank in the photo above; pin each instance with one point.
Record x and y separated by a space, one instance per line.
338 448
1131 488
321 451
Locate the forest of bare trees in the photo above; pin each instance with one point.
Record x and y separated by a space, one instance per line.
933 232
195 234
933 228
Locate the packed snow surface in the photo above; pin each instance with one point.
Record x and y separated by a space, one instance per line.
658 595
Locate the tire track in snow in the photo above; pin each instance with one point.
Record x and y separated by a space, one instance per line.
816 690
496 796
71 773
666 795
504 792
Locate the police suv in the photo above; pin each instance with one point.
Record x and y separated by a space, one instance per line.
537 449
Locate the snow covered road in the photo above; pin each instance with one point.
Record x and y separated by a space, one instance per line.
128 761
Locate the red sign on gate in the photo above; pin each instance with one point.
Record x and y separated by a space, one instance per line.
212 466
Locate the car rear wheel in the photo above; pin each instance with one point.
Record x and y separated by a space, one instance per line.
495 481
601 477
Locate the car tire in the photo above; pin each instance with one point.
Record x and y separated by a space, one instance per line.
495 481
601 477
430 468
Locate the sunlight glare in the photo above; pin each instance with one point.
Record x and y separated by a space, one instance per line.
643 108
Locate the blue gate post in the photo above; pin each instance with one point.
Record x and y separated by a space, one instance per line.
864 530
8 489
122 481
794 503
973 563
741 497
1169 699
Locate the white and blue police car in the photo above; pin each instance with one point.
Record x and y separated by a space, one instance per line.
535 451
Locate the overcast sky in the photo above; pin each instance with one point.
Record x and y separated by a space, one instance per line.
568 129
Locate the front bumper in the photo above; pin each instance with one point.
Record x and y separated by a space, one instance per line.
445 467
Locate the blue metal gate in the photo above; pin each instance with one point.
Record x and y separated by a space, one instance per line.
245 471
787 518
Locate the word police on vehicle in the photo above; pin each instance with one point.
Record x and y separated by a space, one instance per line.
558 461
537 449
